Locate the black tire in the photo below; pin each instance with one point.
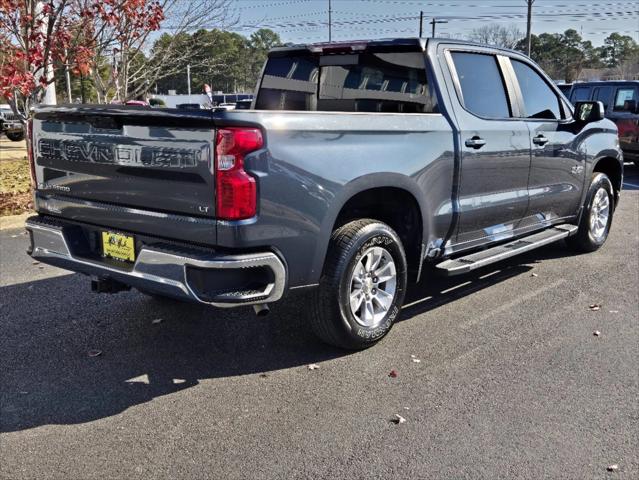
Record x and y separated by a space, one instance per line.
585 241
332 319
636 162
15 136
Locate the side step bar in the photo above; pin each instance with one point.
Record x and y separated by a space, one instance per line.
473 261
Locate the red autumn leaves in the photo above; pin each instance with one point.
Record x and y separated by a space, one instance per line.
57 32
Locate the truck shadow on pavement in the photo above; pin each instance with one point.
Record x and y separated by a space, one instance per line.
50 326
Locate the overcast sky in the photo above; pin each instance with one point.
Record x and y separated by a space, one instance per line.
302 21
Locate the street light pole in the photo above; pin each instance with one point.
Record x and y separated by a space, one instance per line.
434 22
330 14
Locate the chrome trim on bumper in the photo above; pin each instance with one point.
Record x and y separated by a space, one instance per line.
158 271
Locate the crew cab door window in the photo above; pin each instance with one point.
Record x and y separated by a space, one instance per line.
481 84
540 101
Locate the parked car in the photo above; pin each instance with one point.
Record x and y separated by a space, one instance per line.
243 104
225 107
565 88
621 103
189 106
10 124
362 163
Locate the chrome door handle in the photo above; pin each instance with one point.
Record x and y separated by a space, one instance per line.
540 140
475 142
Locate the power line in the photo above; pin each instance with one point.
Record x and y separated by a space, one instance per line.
293 26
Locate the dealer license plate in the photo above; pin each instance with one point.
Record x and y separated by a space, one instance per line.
118 246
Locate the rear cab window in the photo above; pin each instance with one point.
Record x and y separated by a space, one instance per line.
360 82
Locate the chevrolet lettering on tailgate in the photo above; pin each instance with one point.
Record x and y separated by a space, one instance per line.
109 153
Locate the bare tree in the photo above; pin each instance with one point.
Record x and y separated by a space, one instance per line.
497 35
128 64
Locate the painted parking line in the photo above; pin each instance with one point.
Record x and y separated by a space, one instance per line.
626 184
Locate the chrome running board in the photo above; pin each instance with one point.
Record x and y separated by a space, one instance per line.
473 261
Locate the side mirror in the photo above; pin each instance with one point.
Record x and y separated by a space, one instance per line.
588 112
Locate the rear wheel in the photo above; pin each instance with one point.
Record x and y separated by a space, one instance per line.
596 218
362 286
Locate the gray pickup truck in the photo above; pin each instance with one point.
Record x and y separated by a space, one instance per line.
359 164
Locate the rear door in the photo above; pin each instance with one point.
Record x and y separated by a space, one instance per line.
495 149
558 168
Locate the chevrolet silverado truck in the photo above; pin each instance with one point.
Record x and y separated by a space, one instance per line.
360 165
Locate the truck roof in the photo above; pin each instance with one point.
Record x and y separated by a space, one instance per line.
606 82
389 44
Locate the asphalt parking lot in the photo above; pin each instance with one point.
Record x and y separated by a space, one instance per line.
510 383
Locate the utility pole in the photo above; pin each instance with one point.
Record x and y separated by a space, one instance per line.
529 24
434 22
421 23
330 14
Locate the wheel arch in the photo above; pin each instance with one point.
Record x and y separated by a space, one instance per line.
613 168
380 196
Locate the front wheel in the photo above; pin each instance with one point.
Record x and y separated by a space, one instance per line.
596 218
15 136
362 286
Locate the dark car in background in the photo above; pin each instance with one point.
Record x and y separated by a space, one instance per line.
565 88
621 102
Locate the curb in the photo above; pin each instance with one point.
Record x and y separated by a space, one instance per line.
14 221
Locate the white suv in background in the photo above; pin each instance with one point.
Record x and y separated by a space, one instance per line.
10 124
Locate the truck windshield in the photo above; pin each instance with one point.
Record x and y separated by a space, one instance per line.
366 82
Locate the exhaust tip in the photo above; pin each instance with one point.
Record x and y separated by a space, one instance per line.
261 309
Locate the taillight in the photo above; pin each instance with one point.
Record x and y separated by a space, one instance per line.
236 191
30 153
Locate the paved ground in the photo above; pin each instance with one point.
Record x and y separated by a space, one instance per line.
512 382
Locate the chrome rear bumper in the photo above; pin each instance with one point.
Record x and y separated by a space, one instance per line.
166 271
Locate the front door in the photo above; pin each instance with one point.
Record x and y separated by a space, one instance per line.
495 151
557 171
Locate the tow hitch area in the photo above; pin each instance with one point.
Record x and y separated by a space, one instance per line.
107 285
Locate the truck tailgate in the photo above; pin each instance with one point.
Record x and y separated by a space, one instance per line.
142 158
